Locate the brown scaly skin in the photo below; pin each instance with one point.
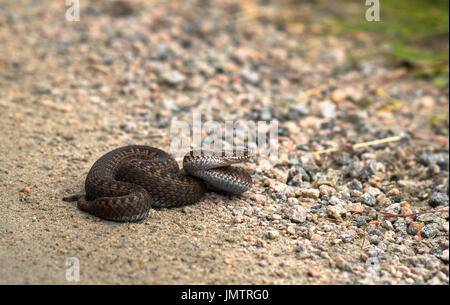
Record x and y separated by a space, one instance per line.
125 183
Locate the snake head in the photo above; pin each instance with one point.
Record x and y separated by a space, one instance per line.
202 159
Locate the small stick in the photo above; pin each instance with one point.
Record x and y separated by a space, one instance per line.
360 145
377 142
325 151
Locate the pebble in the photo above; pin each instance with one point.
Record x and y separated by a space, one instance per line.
293 201
278 187
238 219
299 110
338 95
427 159
393 192
414 227
427 217
296 214
356 193
372 262
401 225
273 234
326 190
119 8
327 228
445 227
301 249
312 193
409 281
314 273
259 198
356 208
444 255
276 217
336 211
128 126
368 199
361 220
427 101
303 173
293 128
291 230
12 17
374 191
334 200
250 76
355 185
280 195
374 239
368 170
263 263
42 88
433 170
25 190
429 230
435 251
341 263
387 225
372 252
316 238
328 109
438 199
173 77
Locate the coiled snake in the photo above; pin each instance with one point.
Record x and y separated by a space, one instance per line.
126 182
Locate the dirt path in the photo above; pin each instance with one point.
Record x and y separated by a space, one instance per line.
70 92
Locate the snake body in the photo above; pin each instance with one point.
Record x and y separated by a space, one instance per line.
126 182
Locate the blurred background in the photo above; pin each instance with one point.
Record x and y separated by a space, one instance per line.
363 122
410 33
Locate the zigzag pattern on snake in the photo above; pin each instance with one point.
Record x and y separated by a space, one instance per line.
125 183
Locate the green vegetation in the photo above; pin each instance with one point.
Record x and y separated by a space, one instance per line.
417 32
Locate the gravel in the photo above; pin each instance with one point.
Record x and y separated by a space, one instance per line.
316 215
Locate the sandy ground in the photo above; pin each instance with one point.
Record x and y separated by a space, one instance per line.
62 105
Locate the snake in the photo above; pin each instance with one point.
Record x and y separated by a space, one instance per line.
126 182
